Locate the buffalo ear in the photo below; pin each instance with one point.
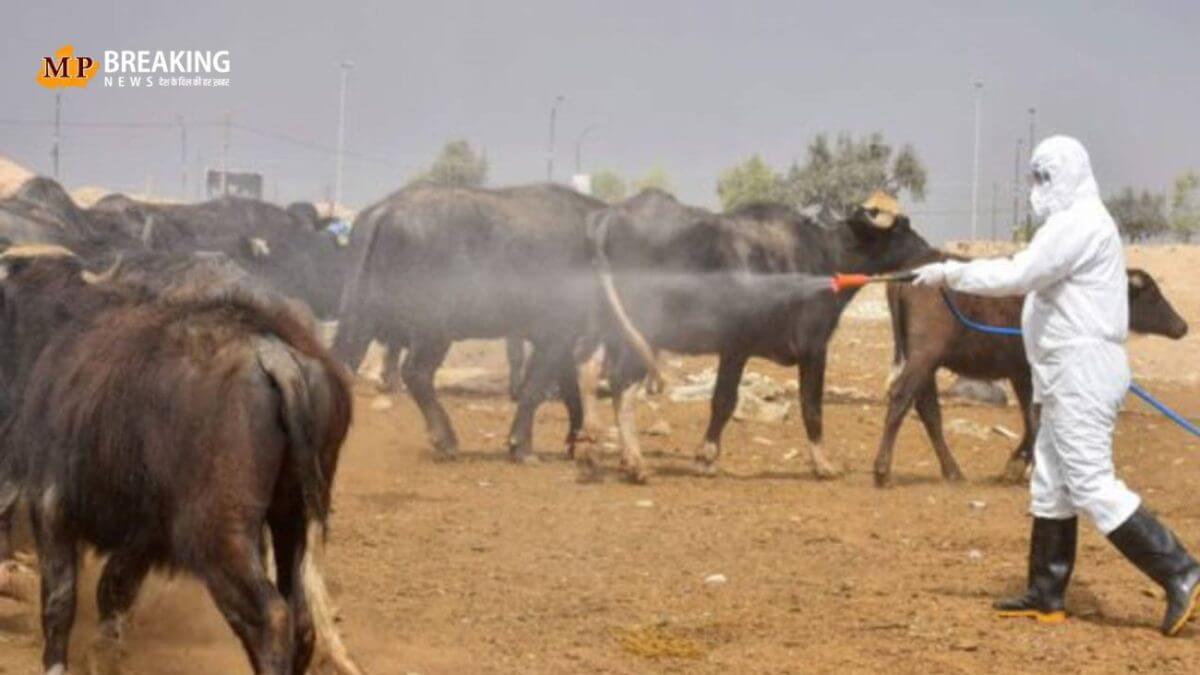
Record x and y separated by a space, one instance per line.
902 223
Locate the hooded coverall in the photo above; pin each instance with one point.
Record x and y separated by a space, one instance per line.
1075 322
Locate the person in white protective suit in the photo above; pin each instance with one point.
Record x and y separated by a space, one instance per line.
1075 323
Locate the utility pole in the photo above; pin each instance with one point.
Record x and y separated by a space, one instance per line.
975 168
1032 140
183 171
341 137
225 156
579 145
550 148
995 206
1016 222
54 150
1032 128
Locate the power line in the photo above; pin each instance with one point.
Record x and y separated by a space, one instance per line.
266 133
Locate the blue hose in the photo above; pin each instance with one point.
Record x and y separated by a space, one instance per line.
1016 332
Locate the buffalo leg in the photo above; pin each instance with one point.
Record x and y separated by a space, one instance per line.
900 400
1022 457
288 536
930 411
8 510
58 562
123 574
901 395
812 390
390 377
623 379
546 367
724 402
251 605
589 383
568 386
120 581
514 352
425 355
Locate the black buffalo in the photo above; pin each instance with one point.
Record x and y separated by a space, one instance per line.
440 264
281 247
753 282
42 212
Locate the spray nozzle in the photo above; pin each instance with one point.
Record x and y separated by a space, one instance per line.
842 282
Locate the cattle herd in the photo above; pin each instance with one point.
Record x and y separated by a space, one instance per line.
166 398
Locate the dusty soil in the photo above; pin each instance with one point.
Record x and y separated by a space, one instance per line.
481 566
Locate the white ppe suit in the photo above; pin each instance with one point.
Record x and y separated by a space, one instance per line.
1075 322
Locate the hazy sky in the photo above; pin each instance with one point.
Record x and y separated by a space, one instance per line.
689 86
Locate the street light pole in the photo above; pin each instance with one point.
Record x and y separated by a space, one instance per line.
975 168
183 172
1017 188
54 151
346 66
225 156
579 145
550 148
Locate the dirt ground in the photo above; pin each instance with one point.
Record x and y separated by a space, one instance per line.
481 566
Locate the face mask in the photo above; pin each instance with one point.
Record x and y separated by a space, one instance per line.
1041 200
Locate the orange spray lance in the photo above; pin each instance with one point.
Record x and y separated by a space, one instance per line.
842 282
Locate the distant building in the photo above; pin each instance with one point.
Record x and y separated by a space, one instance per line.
234 183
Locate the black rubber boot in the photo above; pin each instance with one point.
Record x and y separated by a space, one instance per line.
1159 555
1051 560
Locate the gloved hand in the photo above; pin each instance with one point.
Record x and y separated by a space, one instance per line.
932 275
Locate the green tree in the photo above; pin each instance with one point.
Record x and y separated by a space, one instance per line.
457 165
608 186
835 176
1185 206
751 181
1139 215
656 178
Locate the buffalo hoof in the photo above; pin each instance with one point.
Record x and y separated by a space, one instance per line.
955 477
589 472
1014 471
635 473
705 467
827 470
883 479
823 467
445 454
525 458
